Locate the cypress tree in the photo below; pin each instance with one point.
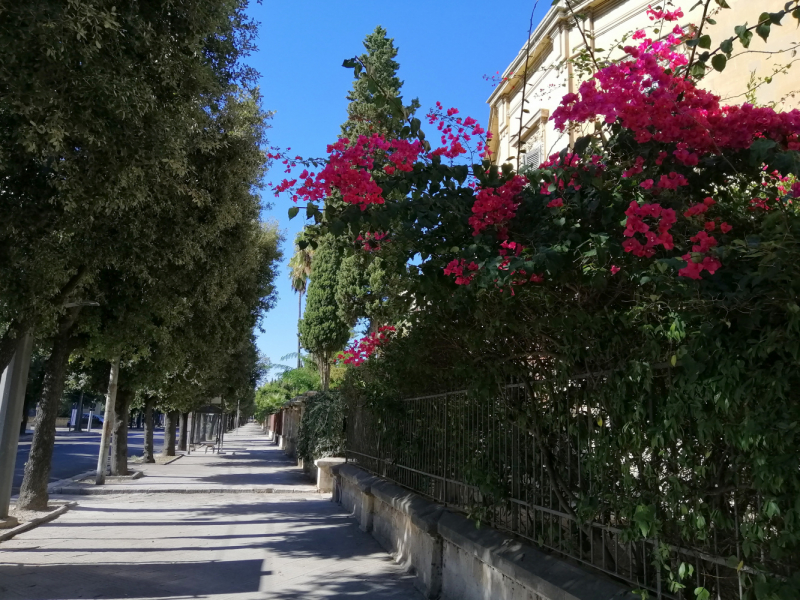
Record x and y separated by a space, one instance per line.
364 285
322 331
364 116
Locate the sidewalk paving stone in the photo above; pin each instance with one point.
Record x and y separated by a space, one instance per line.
219 546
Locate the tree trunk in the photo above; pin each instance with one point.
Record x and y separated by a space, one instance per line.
10 339
326 371
183 429
148 430
33 493
170 421
299 316
119 453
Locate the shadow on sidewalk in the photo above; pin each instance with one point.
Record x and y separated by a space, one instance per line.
145 580
297 549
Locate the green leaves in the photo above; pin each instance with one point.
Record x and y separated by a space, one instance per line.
704 41
719 61
321 431
698 70
702 593
776 18
763 27
581 144
644 518
743 34
760 149
312 210
293 211
355 64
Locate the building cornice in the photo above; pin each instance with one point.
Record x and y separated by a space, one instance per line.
539 41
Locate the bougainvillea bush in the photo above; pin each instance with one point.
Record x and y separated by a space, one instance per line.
648 274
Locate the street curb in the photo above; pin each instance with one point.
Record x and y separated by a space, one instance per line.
68 480
36 522
169 462
107 491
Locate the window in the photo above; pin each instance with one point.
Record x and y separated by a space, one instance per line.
532 156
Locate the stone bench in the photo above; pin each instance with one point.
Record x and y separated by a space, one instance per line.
206 445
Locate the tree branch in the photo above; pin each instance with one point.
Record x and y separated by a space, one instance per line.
699 33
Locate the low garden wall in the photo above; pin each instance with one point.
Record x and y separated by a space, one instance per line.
452 559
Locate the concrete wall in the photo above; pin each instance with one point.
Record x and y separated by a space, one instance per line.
450 558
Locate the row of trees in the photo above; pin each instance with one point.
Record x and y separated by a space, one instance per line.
641 286
131 161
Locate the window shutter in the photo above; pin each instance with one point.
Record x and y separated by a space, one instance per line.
533 157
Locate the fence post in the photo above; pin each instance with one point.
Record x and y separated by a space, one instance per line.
446 445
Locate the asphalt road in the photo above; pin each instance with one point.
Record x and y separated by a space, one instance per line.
76 452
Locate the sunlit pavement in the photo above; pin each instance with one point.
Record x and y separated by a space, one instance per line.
197 545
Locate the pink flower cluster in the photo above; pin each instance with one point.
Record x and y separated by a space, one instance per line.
507 248
456 133
465 272
362 349
570 161
636 224
645 96
672 181
349 166
370 240
521 277
775 183
289 162
348 170
497 79
635 169
496 206
699 208
699 259
658 13
457 267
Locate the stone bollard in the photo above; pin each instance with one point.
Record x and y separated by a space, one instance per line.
324 473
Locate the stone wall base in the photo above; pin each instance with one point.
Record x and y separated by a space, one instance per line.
453 560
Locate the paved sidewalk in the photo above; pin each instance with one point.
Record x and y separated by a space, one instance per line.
218 546
249 462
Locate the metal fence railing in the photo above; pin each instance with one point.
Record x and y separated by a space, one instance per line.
465 451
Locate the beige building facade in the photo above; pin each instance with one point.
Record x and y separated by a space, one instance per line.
605 25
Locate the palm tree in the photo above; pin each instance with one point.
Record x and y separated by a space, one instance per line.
299 270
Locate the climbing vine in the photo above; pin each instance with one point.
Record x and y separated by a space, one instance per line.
322 427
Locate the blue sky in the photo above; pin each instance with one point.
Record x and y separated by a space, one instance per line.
445 49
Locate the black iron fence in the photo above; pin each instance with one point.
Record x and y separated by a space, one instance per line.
466 452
